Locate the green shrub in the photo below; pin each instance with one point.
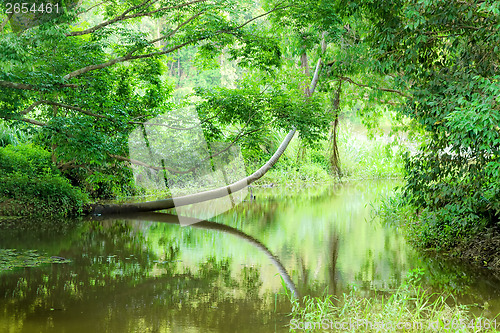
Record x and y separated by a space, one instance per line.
27 159
31 186
10 135
442 229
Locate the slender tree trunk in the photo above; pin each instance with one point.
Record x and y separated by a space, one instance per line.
315 79
334 150
305 69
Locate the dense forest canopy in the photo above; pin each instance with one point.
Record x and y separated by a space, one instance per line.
88 77
84 79
445 55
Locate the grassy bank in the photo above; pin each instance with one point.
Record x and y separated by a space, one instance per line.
411 308
477 244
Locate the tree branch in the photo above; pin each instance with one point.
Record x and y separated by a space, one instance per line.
129 56
92 114
23 86
34 122
173 32
5 21
344 78
106 23
89 9
76 108
15 85
30 108
266 13
124 16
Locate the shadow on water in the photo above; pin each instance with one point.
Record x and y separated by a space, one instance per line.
145 273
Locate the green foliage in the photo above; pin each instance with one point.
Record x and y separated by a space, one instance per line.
305 21
419 310
442 230
262 102
445 56
11 135
30 185
87 86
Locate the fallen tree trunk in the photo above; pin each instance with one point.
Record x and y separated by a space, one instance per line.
220 192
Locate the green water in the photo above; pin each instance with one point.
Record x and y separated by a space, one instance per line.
145 273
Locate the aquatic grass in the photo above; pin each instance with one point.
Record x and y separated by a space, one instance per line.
11 259
412 306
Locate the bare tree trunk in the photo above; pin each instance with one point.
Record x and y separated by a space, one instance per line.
220 192
305 68
315 79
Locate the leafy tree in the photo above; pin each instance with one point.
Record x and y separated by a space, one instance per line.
444 54
87 86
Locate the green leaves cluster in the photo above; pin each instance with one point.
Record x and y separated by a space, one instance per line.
30 185
87 79
262 102
445 55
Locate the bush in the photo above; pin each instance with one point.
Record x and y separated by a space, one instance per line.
31 186
107 181
10 135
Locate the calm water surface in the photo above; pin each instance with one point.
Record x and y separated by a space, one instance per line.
145 273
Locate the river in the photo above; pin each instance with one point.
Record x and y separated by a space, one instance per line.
234 273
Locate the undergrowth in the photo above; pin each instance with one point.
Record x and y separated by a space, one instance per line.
30 185
411 308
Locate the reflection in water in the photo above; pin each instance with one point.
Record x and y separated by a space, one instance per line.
120 282
334 250
146 276
196 223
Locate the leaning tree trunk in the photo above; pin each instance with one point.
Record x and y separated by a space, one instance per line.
220 192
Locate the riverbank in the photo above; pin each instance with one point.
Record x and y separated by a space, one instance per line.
482 250
411 308
477 245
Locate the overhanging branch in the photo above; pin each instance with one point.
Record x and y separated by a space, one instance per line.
5 21
130 55
124 15
344 78
24 86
